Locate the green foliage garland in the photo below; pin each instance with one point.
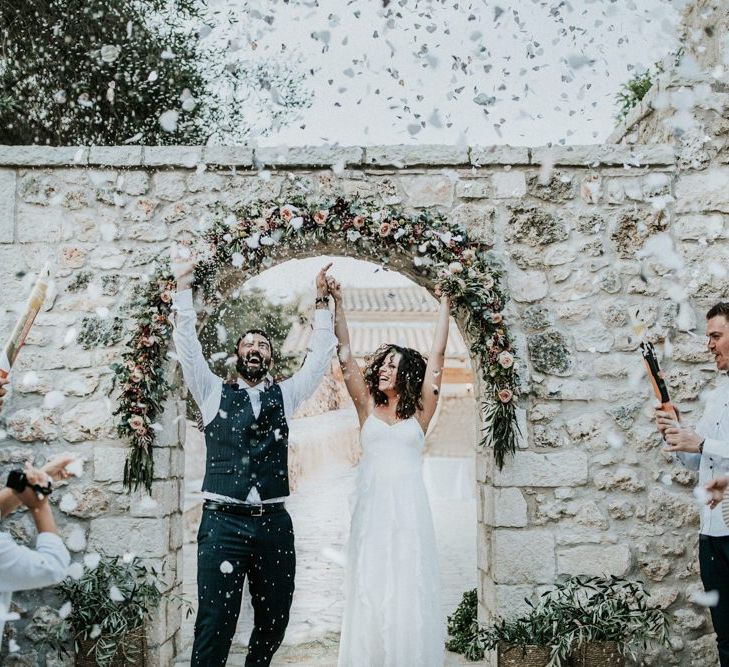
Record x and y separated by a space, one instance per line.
250 238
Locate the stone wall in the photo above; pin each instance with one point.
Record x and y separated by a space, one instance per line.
584 234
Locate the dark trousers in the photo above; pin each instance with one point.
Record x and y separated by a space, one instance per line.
231 547
714 562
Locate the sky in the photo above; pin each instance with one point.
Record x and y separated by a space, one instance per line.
520 72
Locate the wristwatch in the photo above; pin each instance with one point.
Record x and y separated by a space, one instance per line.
322 299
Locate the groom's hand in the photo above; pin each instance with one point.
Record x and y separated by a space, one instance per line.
182 266
321 281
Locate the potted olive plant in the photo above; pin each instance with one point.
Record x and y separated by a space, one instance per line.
581 622
106 610
607 618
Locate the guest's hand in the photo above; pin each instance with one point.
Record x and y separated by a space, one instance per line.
3 382
182 265
321 281
335 289
665 419
679 439
29 496
716 489
56 467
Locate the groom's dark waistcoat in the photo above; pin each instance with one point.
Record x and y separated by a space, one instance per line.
243 451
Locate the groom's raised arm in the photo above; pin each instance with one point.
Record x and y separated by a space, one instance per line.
203 384
322 344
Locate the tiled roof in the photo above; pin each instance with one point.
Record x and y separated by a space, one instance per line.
389 300
405 316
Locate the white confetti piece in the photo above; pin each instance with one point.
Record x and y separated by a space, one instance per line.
91 561
705 598
226 567
65 610
168 120
76 467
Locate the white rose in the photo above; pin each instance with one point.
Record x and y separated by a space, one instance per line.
455 267
506 359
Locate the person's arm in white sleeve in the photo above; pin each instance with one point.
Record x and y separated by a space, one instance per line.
304 382
322 344
689 461
22 568
201 381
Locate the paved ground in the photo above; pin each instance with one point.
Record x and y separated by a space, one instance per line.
320 512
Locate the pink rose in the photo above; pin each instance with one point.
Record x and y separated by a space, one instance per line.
505 395
385 229
286 213
506 359
358 221
166 296
137 375
320 217
147 341
136 422
469 255
497 318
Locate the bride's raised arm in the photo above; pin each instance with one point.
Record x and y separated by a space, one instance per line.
436 361
353 378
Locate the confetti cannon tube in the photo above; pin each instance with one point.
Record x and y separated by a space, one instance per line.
655 375
24 323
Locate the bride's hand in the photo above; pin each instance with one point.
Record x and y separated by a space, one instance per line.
335 289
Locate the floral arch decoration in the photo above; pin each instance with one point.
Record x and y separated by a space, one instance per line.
249 238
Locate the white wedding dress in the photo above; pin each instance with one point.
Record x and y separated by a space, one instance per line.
392 613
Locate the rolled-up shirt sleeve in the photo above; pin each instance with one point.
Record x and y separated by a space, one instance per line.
203 384
304 382
23 568
688 460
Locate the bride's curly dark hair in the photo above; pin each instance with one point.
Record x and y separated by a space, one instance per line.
408 383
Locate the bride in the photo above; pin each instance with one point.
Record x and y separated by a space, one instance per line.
392 614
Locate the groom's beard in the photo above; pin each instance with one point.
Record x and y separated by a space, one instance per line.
252 373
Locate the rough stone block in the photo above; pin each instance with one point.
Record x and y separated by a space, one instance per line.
703 191
42 156
7 205
508 184
473 188
115 535
608 154
90 420
594 560
109 463
169 185
485 155
172 156
426 191
523 556
234 156
527 286
563 468
116 156
408 156
507 508
323 156
163 501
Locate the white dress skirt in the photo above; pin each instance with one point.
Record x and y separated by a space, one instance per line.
392 612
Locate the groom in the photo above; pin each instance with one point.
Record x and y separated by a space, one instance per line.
245 529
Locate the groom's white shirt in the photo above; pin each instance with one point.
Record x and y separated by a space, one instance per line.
206 387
